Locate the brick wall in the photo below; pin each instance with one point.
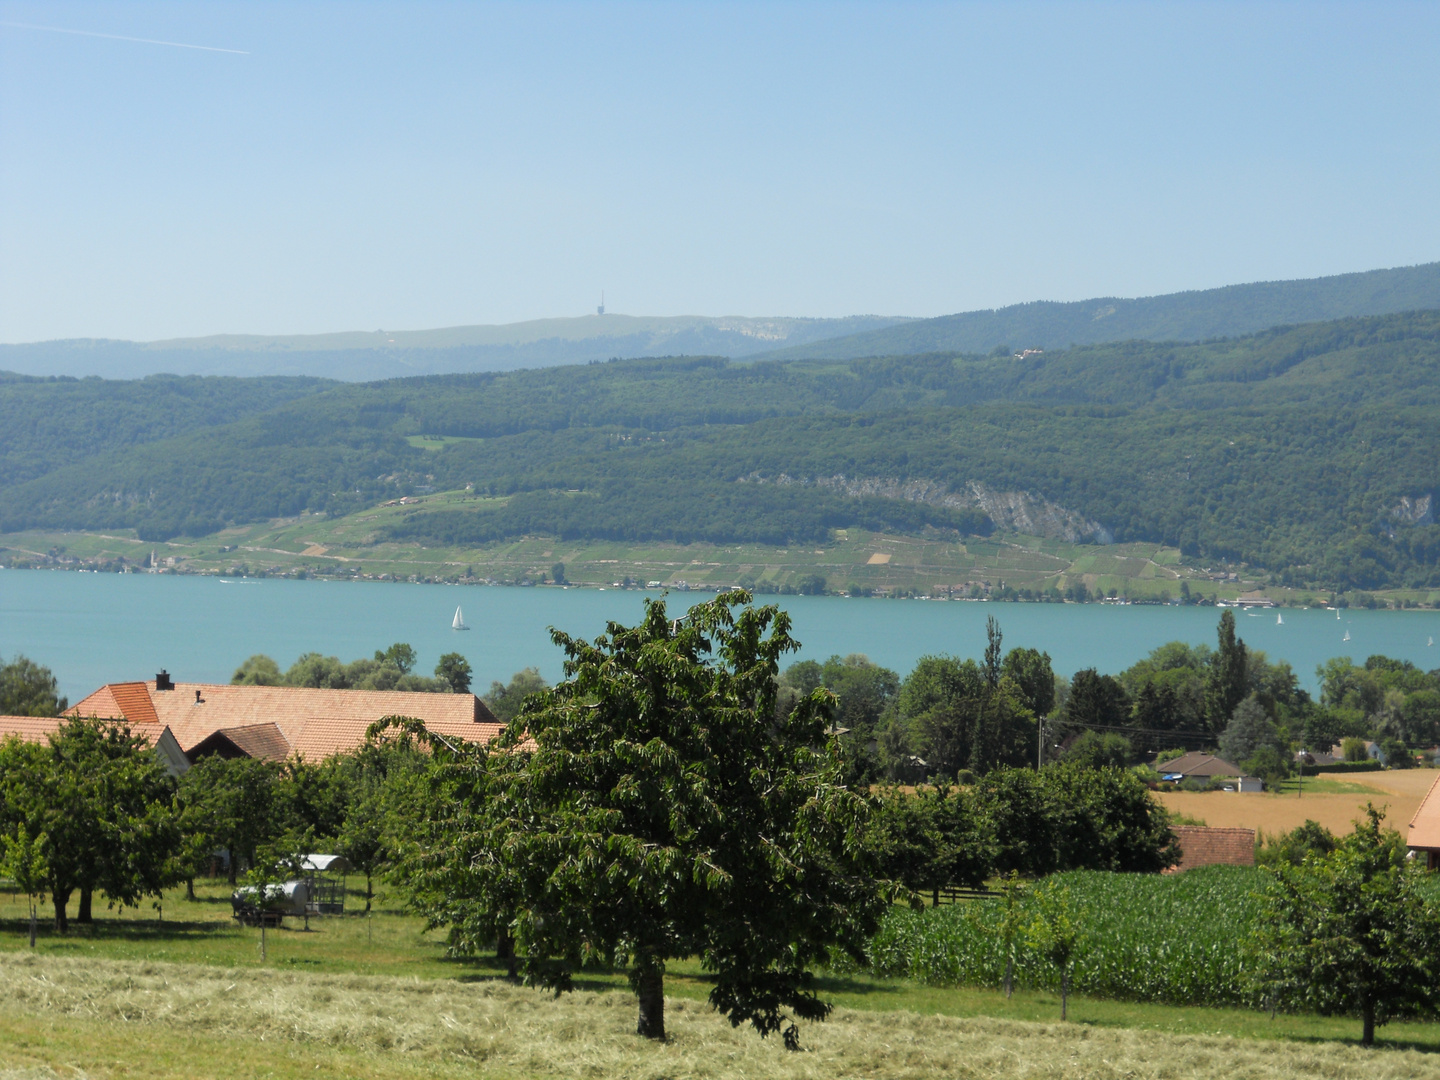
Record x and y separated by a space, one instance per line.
1203 846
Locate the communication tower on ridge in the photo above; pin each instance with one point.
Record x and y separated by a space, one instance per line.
601 309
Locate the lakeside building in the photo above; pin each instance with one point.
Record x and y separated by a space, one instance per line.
274 722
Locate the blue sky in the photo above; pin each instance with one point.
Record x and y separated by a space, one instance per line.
417 165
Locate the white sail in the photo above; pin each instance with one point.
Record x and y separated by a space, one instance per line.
459 623
1429 642
1279 619
1346 637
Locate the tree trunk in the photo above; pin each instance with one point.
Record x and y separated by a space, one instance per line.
62 923
1367 1034
1064 992
649 982
82 912
32 922
505 950
233 865
190 888
1009 975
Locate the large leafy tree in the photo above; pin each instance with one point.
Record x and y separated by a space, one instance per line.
28 689
652 806
100 807
964 715
1351 931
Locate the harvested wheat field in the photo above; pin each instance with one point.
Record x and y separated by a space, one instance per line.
1399 791
66 1017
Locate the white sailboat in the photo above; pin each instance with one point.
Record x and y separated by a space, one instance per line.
459 622
1279 619
1346 637
1337 614
1429 642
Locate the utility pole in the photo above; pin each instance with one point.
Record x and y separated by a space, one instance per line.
1039 743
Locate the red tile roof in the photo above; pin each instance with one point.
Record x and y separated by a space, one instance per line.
264 741
314 723
31 729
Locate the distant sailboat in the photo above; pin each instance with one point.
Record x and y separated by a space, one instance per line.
459 623
1279 619
1429 642
1346 637
1337 614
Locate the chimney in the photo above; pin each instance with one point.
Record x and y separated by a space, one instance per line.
162 681
198 699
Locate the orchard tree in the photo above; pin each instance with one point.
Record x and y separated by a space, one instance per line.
233 804
105 808
1351 932
653 807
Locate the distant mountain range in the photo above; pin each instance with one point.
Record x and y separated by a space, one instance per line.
1233 311
360 356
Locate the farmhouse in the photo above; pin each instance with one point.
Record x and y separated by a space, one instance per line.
38 729
1206 767
277 722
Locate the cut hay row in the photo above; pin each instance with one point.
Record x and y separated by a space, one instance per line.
515 1031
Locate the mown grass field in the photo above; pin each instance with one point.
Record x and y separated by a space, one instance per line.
188 994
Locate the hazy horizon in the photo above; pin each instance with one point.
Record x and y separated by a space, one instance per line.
179 171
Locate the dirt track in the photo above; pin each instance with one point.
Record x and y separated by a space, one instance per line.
1398 792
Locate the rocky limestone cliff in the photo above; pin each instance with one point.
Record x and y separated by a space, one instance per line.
1012 511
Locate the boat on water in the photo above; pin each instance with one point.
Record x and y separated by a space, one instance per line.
459 621
1429 642
1346 637
1279 619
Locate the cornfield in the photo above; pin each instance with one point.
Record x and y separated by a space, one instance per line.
1179 939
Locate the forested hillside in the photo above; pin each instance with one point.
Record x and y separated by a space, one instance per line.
1311 451
47 423
1198 315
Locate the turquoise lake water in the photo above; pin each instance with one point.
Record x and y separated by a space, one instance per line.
96 628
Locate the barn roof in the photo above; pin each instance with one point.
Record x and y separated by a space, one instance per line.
312 723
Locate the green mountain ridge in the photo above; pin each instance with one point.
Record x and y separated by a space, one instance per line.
1196 315
1307 450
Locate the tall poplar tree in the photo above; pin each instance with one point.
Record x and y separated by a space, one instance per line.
1227 682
